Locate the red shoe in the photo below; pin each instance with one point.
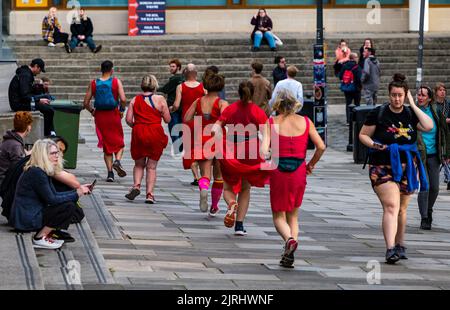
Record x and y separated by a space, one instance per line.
230 217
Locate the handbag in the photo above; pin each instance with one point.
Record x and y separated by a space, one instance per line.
277 40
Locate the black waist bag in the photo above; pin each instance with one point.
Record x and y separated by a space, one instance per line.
289 164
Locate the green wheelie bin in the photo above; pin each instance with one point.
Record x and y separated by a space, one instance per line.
67 125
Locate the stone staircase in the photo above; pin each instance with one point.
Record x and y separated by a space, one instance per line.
70 73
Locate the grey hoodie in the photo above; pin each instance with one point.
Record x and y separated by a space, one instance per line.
371 73
12 150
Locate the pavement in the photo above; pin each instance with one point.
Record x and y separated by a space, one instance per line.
172 245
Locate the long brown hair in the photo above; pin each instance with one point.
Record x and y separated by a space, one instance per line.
246 91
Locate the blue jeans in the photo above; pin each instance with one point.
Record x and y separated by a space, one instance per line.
175 120
269 37
74 42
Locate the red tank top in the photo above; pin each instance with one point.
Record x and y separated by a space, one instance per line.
145 113
290 146
213 116
189 95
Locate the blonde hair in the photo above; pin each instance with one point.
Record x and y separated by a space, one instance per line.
286 103
40 157
292 71
149 83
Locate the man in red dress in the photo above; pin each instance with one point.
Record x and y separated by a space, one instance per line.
108 92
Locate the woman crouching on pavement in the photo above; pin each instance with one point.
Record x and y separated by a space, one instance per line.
390 133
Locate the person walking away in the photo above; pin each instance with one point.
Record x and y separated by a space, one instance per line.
148 139
290 84
109 105
350 77
288 179
262 89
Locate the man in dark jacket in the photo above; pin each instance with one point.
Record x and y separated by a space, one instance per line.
279 73
170 88
82 30
353 95
21 98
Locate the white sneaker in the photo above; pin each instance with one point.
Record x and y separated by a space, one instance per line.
51 44
47 243
204 200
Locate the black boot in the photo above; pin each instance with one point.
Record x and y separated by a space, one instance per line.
425 224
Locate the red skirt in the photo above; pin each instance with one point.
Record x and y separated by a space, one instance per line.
148 140
237 167
287 189
109 124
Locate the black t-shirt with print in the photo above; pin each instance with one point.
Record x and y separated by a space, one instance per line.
400 128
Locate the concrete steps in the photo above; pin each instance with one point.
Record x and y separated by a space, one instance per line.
133 58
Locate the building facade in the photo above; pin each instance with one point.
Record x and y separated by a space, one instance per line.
199 16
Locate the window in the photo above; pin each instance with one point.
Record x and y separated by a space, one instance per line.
283 2
364 2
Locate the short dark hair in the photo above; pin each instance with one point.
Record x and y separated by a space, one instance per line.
107 66
257 66
57 139
371 50
277 59
214 69
214 82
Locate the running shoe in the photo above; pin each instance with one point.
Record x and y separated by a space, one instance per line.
195 182
119 169
239 230
110 177
287 261
230 217
150 199
391 256
213 211
401 251
203 200
425 224
133 193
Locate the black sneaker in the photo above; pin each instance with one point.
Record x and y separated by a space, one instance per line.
401 251
61 235
68 49
110 177
425 224
255 49
448 186
194 183
391 256
287 261
133 193
97 49
273 49
119 169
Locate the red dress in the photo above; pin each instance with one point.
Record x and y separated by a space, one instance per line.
242 160
147 138
287 188
188 96
109 125
203 142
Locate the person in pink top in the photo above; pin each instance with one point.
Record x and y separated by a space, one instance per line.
342 55
288 179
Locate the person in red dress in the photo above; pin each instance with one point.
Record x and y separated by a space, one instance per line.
148 139
207 109
288 180
241 165
109 106
186 94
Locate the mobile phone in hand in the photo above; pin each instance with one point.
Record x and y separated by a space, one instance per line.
91 187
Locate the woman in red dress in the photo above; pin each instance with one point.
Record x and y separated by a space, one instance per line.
288 135
241 165
209 109
148 139
187 93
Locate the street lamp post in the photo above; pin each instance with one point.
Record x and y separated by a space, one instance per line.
420 47
319 66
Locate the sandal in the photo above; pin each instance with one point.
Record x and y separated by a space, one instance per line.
230 217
